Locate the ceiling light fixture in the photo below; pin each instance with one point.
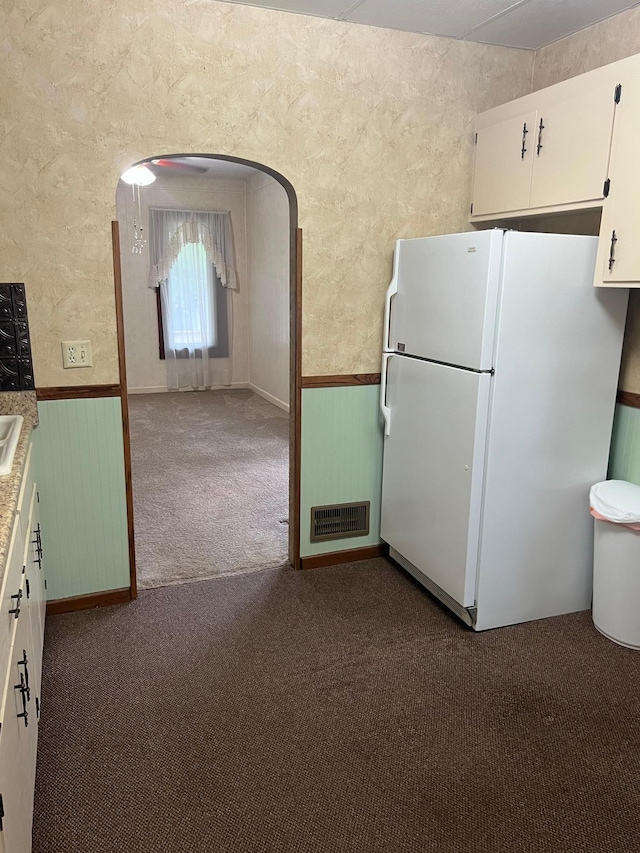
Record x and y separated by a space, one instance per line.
138 176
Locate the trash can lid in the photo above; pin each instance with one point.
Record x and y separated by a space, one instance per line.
616 500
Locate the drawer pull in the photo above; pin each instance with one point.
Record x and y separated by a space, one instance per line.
25 663
16 610
23 690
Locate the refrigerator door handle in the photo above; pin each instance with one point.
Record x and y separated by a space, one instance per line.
386 411
391 292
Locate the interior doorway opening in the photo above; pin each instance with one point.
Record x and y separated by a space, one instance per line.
199 410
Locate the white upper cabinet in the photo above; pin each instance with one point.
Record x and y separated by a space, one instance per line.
618 263
564 161
503 165
571 147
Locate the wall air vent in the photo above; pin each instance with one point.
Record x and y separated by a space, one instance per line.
339 521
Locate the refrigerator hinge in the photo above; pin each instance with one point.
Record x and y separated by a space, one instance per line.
606 187
618 93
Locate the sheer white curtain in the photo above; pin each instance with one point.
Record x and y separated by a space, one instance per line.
193 264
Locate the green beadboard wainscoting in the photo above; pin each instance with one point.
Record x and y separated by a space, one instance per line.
341 458
79 460
624 461
78 452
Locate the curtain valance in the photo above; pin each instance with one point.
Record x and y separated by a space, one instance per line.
171 230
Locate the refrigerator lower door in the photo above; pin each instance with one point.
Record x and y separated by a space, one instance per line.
433 470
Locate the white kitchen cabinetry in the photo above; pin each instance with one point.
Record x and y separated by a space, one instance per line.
581 154
571 145
547 151
503 165
618 262
21 639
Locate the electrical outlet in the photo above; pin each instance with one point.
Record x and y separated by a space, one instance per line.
76 354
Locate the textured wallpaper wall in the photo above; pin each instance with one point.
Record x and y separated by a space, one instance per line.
268 284
371 126
608 41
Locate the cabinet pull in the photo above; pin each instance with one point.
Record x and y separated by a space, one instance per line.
16 610
38 543
25 714
614 240
25 663
524 139
540 129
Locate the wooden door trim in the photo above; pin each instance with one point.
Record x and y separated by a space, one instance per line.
295 371
295 425
124 402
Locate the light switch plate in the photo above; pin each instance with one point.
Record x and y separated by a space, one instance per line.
76 354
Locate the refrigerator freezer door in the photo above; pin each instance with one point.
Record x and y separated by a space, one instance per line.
447 290
433 470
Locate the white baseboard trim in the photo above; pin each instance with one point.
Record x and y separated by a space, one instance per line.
151 389
160 389
265 394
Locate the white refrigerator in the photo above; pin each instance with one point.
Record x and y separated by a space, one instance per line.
499 380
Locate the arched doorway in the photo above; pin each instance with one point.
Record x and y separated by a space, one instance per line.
294 266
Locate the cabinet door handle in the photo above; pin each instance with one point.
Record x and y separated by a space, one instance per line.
524 140
16 610
614 240
25 663
540 129
38 543
23 690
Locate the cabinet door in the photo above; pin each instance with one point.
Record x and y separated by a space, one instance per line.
18 747
570 147
504 160
619 255
35 591
12 602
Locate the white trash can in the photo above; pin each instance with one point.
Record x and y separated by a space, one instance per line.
615 505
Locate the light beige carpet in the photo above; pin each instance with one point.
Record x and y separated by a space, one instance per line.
210 484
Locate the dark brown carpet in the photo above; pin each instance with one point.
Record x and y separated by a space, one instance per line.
332 710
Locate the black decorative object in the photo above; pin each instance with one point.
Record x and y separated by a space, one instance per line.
16 368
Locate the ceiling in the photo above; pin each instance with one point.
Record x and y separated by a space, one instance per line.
200 167
514 23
